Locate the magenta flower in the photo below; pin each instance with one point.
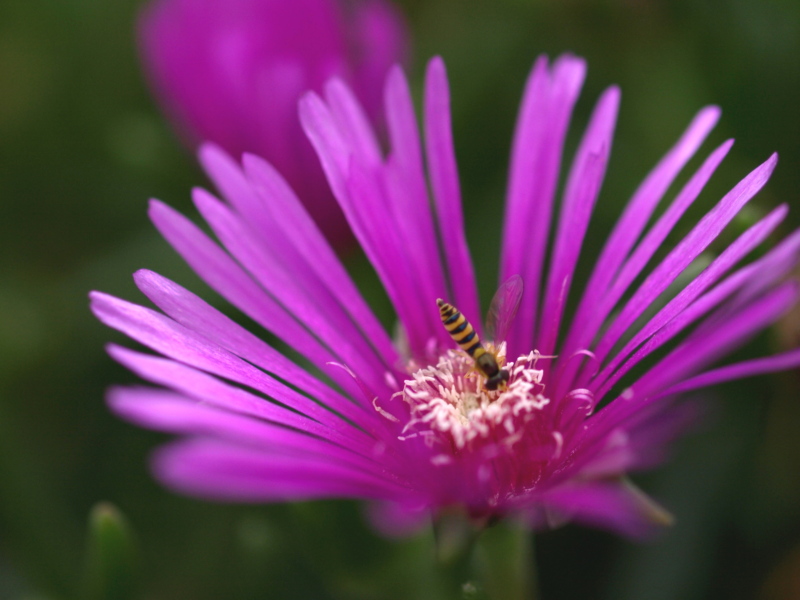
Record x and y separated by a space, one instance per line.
410 423
231 72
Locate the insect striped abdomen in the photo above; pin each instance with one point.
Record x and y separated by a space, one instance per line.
467 338
459 329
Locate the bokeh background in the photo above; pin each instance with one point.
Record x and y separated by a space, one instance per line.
83 146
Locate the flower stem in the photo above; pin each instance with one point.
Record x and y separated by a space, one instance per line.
455 536
505 563
493 562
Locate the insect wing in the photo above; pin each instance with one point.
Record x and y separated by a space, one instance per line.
503 309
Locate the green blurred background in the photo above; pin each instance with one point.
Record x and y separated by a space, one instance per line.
82 147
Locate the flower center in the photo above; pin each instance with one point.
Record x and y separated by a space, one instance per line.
450 405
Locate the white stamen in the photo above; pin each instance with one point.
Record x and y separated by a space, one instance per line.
559 443
382 412
449 403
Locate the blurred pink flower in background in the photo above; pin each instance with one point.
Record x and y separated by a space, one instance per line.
232 71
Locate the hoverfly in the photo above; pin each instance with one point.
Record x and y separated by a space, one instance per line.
501 312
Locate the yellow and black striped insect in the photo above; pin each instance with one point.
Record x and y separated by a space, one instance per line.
467 338
501 313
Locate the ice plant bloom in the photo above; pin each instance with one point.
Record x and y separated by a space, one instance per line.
411 423
232 71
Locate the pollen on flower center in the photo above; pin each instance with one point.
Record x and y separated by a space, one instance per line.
450 405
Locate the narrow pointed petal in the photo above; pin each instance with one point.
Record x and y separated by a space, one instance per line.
227 278
172 413
175 341
632 223
362 191
748 241
280 202
618 507
582 189
332 147
698 352
684 253
207 389
639 258
535 163
198 316
296 244
443 173
222 471
201 386
294 286
749 368
353 121
388 255
409 195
